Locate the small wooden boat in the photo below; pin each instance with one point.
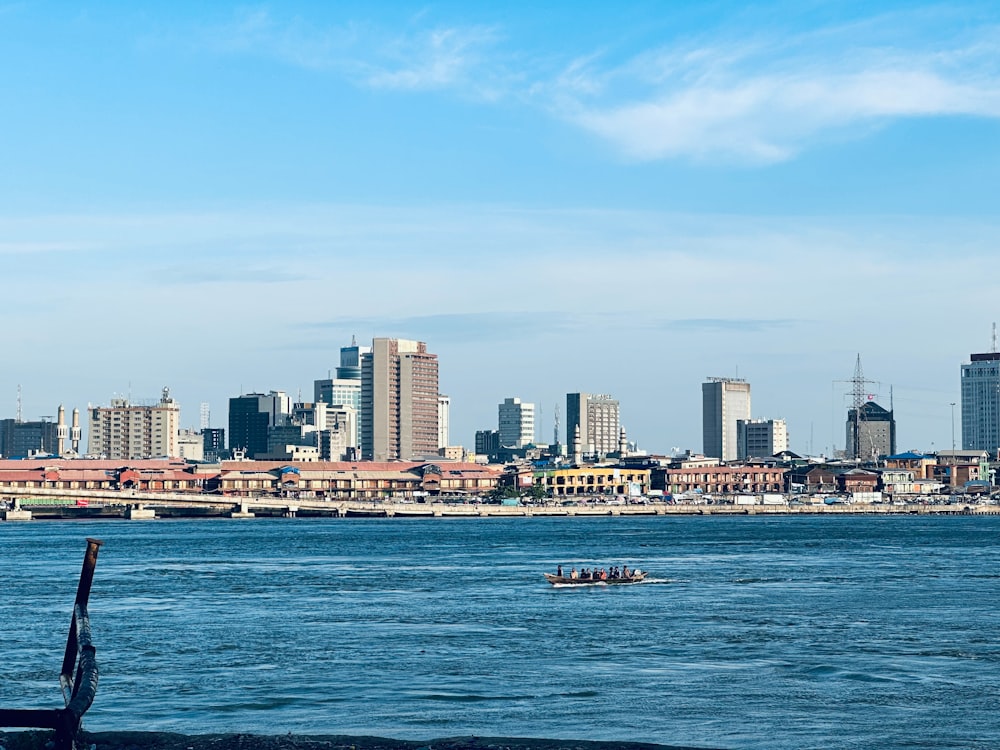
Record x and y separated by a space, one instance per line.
567 581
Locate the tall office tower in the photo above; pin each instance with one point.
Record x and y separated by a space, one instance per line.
350 360
250 417
444 420
759 438
981 403
399 401
593 424
724 401
516 420
21 439
871 432
345 389
131 431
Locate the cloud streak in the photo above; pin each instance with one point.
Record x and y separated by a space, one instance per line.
758 97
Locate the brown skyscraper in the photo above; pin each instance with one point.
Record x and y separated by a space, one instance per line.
399 401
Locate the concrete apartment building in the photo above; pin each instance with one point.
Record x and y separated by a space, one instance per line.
593 424
516 420
724 401
399 401
130 431
758 438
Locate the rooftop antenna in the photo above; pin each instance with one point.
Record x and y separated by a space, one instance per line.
555 428
993 345
18 403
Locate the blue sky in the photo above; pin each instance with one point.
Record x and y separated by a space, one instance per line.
620 199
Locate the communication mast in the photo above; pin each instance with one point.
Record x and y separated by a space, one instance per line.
859 397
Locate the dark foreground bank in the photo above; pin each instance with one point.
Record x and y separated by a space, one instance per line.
37 740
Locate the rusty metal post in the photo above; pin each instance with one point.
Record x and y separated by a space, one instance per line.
78 689
66 677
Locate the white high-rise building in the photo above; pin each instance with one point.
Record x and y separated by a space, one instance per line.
724 401
516 420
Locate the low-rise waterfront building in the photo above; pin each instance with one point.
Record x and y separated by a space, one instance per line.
593 480
723 480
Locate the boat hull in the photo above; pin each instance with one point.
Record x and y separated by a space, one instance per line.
567 581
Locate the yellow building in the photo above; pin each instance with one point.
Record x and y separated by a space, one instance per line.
594 480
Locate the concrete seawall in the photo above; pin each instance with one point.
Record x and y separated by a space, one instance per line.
47 503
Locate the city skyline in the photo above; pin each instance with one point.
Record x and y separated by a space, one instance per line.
710 414
216 199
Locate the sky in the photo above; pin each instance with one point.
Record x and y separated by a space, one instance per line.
623 198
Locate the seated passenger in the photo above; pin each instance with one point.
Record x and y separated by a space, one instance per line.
574 574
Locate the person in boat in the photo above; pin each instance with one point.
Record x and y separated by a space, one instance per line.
574 574
559 571
625 572
604 574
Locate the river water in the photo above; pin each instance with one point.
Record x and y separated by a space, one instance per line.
753 632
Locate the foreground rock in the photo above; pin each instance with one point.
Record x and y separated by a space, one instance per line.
35 740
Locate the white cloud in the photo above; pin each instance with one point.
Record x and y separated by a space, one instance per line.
420 59
435 59
764 102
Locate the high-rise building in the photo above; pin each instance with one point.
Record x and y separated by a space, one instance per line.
593 424
516 421
399 401
871 432
724 401
250 417
981 403
344 391
130 431
759 438
350 360
23 439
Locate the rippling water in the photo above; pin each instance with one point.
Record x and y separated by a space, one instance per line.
817 632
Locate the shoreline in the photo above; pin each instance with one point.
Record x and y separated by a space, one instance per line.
63 508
